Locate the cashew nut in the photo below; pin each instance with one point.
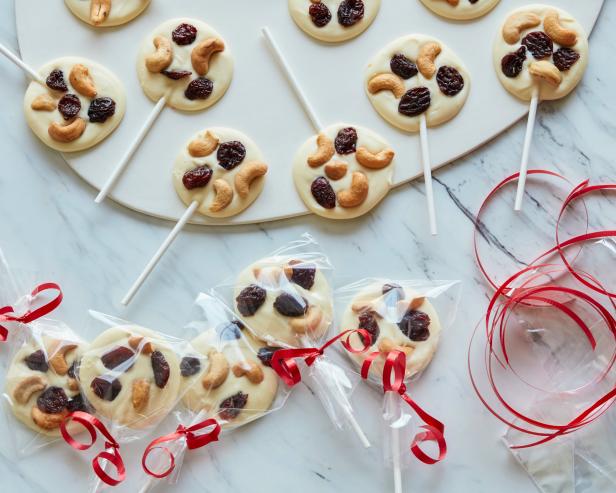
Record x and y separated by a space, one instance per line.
373 307
135 342
374 161
224 195
336 170
386 82
518 22
558 33
425 61
162 57
99 11
57 359
546 71
141 394
217 373
43 102
355 195
386 345
268 276
69 132
27 387
250 370
201 54
453 3
47 421
325 151
247 174
417 302
82 81
309 322
203 145
73 384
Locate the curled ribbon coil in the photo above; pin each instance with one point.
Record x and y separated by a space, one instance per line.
193 439
112 448
7 313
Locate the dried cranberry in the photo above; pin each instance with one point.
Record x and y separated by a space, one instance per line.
565 58
69 106
323 193
265 354
184 34
37 361
303 275
346 141
76 404
190 366
392 293
368 322
539 44
512 63
117 356
320 14
350 12
415 101
106 389
161 369
415 325
231 407
230 154
52 401
250 300
449 81
402 66
101 109
291 305
55 80
230 331
197 178
200 88
176 74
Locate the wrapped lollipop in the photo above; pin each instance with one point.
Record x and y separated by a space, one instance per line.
106 13
460 10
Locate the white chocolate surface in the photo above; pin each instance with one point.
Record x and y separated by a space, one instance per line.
122 11
465 10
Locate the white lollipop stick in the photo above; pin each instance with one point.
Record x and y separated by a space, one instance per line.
160 252
292 80
395 450
528 140
98 481
131 150
33 74
427 169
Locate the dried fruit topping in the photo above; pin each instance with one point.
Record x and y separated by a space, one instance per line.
190 366
415 325
176 74
512 63
265 354
184 34
402 66
346 141
76 404
118 356
350 12
69 106
231 407
37 361
565 58
393 292
72 370
323 192
197 178
200 88
291 305
449 80
161 369
415 101
101 109
230 331
53 400
230 154
55 80
250 300
320 14
539 44
368 322
303 275
106 389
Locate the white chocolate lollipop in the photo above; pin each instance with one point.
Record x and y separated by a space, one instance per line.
334 21
344 171
460 9
80 105
106 13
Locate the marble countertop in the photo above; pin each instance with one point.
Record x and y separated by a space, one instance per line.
50 223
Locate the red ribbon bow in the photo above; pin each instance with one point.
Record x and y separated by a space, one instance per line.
395 365
193 441
112 447
7 314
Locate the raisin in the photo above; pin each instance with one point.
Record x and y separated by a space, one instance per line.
368 322
303 275
291 305
415 325
117 356
190 366
346 141
402 66
230 331
323 193
350 12
539 44
250 300
37 361
200 88
184 34
55 80
52 401
231 407
106 389
101 109
512 63
565 58
69 106
320 14
176 74
197 178
76 403
265 354
161 369
230 154
415 101
392 293
449 81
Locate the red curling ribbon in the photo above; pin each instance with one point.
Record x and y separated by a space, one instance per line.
394 372
112 448
7 313
194 440
284 364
